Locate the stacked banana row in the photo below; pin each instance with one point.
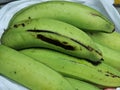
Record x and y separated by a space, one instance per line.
61 45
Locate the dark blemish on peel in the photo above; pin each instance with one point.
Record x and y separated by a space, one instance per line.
15 72
23 24
17 25
112 75
113 30
107 75
94 14
64 42
90 48
55 42
34 30
29 17
95 63
99 70
91 33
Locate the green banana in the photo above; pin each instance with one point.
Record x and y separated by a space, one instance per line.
30 73
111 57
53 34
111 40
77 14
102 75
81 85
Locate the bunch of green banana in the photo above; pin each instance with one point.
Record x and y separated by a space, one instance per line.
53 45
109 44
52 34
102 74
30 73
111 57
77 14
33 70
34 75
111 40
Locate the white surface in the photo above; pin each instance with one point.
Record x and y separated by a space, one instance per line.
113 13
6 84
10 9
118 89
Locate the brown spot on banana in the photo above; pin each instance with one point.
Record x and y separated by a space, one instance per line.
15 72
87 47
99 70
94 14
29 17
112 75
55 42
109 74
17 25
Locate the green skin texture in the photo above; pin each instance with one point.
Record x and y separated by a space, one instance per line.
111 40
102 75
111 57
81 85
18 37
30 73
79 15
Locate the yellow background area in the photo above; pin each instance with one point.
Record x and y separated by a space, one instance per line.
116 1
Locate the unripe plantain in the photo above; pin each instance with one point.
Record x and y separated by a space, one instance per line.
111 40
111 57
30 73
77 14
102 74
53 34
81 85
